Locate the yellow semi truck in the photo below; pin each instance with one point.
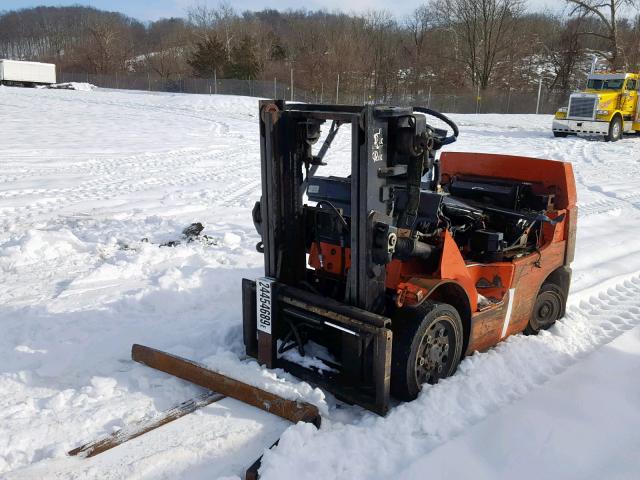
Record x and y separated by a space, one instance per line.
608 106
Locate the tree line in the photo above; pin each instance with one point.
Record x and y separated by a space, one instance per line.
443 46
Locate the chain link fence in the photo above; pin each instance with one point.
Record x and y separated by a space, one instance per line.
493 101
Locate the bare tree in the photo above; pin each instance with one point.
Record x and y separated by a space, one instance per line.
483 27
634 44
565 54
221 19
419 24
606 12
166 48
109 44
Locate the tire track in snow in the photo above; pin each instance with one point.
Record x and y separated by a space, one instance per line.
610 202
240 193
484 383
114 178
206 115
599 207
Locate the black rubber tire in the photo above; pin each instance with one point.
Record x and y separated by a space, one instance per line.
560 134
614 126
548 307
410 327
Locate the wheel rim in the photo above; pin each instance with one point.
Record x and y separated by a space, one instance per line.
546 309
435 353
616 129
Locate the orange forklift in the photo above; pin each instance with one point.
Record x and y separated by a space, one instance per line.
381 281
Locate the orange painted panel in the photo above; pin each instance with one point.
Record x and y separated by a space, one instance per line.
452 266
332 258
491 279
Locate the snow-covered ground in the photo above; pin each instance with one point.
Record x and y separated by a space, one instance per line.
86 175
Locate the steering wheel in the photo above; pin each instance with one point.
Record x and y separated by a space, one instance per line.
442 139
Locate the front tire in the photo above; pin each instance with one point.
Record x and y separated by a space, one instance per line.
615 130
427 346
560 134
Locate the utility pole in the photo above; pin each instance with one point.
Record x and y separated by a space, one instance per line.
539 94
292 82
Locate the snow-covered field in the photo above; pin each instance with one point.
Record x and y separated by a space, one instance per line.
85 176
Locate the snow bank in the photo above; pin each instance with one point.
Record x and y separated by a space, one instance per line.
557 431
79 86
484 384
40 246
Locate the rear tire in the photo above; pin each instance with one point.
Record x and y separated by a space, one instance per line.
560 134
427 346
615 130
548 307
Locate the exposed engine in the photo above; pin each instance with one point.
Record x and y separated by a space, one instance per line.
490 220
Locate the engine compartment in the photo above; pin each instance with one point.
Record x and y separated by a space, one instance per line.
491 220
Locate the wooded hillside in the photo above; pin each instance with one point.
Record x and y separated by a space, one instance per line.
442 47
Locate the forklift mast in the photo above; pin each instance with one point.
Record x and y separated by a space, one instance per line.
286 133
391 149
283 153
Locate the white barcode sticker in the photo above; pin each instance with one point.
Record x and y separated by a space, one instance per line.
264 304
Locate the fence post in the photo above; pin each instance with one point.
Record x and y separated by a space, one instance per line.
292 83
478 100
215 82
429 98
338 89
275 88
321 91
149 81
539 94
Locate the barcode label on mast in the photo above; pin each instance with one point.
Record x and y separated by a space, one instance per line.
264 290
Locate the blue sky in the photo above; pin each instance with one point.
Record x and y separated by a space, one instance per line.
152 10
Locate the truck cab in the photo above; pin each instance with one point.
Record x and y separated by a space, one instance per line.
608 106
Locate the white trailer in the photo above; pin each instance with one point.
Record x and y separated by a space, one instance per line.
26 74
